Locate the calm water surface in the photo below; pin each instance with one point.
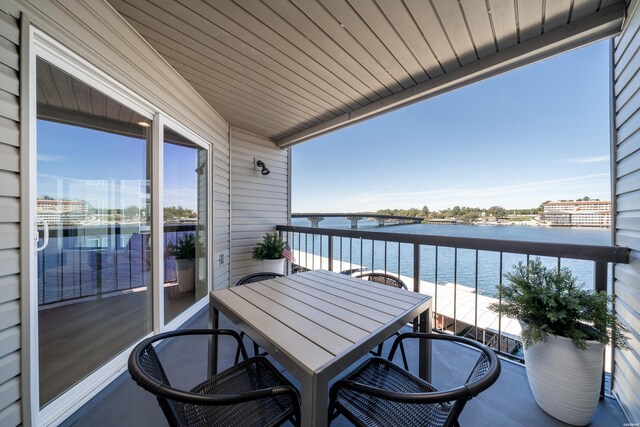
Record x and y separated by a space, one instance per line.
452 267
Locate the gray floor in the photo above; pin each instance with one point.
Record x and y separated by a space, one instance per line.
507 403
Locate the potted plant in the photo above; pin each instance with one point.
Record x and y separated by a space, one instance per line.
565 331
269 251
184 251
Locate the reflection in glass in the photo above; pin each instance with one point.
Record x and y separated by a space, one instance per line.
93 190
185 223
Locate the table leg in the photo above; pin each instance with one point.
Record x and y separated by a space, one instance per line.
315 401
424 325
213 340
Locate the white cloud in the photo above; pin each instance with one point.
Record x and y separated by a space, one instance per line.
586 160
50 158
510 196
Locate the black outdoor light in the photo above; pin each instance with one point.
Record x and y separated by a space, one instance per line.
264 170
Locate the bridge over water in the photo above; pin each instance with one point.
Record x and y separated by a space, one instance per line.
315 218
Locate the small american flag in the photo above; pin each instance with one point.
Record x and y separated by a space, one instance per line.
286 252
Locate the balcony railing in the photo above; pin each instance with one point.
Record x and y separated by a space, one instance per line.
457 271
85 261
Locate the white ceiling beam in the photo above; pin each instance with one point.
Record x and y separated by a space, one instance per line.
603 24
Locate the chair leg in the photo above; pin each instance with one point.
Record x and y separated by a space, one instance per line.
404 357
237 359
379 352
333 412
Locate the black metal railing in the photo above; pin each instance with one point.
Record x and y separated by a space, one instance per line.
85 261
420 257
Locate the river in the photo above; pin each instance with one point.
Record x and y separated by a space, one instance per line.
488 262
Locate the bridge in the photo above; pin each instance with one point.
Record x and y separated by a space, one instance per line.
315 218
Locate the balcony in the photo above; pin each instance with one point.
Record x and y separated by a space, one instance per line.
457 310
508 402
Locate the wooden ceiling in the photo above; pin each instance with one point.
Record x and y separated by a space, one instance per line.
293 69
64 99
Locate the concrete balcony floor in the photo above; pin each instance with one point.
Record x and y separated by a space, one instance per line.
508 402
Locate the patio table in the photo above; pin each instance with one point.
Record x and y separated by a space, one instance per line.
318 323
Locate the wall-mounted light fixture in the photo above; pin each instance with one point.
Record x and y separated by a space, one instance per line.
201 167
259 165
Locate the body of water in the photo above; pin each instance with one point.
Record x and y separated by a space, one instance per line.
453 266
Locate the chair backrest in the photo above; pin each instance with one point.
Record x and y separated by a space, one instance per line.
150 364
385 279
484 373
257 277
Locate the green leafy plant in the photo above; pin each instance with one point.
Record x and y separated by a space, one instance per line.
550 302
184 248
271 247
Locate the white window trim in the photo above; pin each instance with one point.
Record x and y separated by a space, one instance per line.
43 46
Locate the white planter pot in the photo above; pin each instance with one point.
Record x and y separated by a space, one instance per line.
185 270
565 381
273 265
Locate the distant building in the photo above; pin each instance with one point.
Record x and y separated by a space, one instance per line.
446 221
61 211
578 214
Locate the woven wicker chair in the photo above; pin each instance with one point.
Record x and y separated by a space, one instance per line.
251 393
389 280
380 393
252 278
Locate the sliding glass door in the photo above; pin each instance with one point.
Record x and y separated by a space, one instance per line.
97 157
185 223
93 201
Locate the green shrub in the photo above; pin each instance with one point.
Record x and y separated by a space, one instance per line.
271 247
550 302
184 248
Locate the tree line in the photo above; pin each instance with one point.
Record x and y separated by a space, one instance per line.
462 213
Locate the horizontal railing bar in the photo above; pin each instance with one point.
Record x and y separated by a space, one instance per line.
364 215
616 254
108 229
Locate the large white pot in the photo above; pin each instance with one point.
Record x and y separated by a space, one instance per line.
273 265
185 270
565 381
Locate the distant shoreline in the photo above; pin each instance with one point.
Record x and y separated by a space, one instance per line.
524 223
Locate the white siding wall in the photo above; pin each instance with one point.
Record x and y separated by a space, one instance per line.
258 202
94 31
627 207
9 219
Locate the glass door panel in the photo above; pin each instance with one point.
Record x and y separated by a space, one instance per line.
185 223
93 192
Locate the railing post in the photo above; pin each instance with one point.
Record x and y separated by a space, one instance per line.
600 285
330 251
416 276
601 274
416 267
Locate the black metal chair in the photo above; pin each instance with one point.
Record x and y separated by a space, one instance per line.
380 393
252 278
389 280
251 393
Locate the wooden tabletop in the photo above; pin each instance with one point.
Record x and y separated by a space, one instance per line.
317 318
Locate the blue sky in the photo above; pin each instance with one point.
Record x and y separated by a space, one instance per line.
537 133
108 170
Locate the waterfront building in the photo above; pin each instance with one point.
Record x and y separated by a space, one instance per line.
446 221
56 212
578 213
570 206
